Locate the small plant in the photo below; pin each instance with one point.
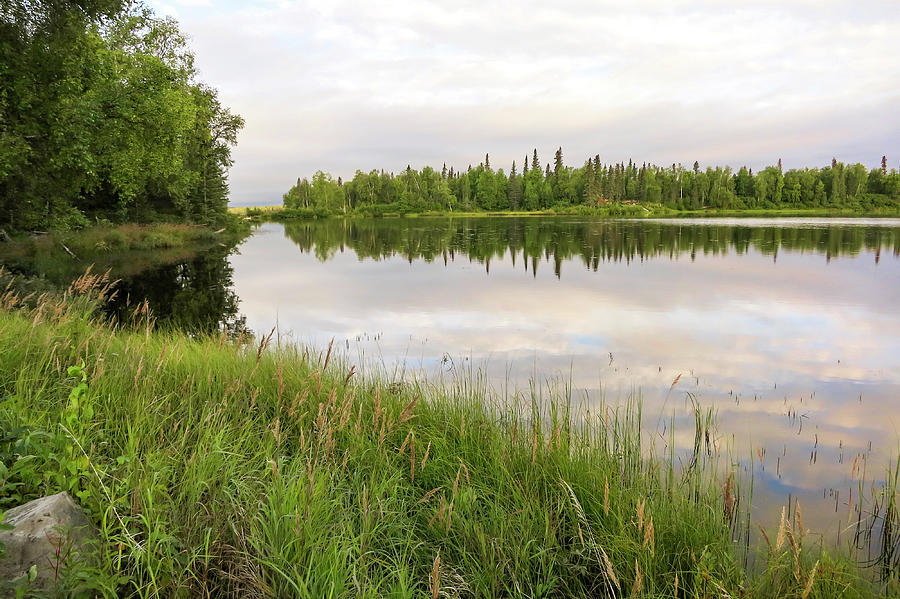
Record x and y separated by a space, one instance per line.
34 461
72 463
23 454
62 549
77 409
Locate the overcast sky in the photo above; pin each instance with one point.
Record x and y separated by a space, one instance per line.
341 85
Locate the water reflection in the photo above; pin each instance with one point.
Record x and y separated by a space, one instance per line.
789 330
187 287
558 240
194 294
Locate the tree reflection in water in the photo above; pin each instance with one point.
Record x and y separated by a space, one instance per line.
533 239
194 295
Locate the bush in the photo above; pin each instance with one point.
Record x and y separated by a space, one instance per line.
115 239
72 219
155 240
291 214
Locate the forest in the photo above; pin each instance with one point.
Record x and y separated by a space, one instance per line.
595 185
102 118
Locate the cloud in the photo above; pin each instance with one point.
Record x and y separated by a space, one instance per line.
352 84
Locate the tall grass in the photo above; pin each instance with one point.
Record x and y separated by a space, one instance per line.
244 467
113 238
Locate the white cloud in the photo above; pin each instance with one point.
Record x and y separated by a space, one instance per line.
350 84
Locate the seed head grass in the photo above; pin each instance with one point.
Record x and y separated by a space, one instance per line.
222 466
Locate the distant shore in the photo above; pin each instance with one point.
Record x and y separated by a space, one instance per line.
280 213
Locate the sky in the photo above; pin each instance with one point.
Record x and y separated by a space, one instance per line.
341 85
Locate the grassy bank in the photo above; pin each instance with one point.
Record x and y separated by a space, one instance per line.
58 257
236 467
105 238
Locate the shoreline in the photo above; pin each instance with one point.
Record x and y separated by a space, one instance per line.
279 213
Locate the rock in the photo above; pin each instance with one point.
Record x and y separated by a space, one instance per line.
47 533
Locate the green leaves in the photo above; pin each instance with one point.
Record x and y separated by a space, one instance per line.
22 454
100 116
73 413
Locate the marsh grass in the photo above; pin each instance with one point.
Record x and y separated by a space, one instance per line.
222 466
59 257
109 237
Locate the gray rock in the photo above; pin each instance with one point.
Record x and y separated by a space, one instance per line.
47 533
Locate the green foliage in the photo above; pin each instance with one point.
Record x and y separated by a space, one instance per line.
596 188
35 461
24 451
101 116
90 242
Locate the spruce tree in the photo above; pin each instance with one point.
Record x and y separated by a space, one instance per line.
514 189
589 182
533 183
598 176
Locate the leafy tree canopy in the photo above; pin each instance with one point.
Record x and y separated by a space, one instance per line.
101 116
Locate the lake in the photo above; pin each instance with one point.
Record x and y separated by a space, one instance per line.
788 329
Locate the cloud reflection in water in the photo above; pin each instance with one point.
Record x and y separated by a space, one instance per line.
760 320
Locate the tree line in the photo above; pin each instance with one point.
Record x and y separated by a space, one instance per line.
553 185
102 117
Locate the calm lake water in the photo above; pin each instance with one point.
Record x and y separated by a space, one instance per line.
788 329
